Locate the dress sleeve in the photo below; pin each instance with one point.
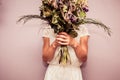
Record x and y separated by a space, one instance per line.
84 31
46 31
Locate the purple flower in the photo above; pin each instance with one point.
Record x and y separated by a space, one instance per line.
85 9
72 18
72 7
59 2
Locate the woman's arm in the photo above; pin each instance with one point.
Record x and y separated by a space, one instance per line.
81 49
48 50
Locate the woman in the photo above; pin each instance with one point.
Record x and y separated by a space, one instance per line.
65 15
78 49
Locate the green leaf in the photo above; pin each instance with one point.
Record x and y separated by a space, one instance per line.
64 8
82 14
25 18
98 23
55 19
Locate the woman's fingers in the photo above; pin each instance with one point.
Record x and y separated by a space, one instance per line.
62 41
63 33
61 36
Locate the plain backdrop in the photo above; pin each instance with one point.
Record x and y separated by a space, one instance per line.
21 45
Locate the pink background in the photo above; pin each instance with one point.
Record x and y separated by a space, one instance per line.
20 45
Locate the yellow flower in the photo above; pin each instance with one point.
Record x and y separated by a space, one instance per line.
82 2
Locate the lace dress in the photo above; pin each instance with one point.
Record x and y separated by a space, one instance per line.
55 71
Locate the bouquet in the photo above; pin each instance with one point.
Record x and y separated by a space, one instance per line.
65 16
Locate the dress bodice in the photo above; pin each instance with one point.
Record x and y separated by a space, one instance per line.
49 32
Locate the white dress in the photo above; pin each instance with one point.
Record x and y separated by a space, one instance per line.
55 71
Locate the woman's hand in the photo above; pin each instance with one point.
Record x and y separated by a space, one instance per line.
65 39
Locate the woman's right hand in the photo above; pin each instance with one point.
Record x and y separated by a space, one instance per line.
65 39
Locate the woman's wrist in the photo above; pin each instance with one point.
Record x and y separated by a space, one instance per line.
54 44
74 43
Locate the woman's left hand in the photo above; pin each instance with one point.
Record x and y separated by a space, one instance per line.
65 39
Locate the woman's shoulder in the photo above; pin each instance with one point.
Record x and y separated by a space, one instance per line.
83 30
47 31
